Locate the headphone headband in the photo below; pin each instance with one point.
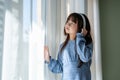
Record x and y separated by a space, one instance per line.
84 22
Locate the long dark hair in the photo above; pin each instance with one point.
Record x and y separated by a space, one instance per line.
77 18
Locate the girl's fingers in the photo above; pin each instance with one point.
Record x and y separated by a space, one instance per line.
84 31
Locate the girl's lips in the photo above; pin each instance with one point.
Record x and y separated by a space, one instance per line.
67 28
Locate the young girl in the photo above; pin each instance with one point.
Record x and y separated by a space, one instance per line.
75 53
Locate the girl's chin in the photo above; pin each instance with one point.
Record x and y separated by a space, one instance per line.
67 32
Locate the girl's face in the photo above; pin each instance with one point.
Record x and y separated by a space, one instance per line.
71 27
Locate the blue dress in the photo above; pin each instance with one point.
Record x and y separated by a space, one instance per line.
68 61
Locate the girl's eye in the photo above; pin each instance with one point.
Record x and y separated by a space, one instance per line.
69 24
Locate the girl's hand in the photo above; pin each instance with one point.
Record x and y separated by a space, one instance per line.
46 54
84 32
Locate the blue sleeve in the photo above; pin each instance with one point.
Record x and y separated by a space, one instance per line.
84 51
56 66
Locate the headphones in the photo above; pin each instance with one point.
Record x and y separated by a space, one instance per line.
84 22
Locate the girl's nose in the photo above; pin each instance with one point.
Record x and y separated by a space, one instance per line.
66 26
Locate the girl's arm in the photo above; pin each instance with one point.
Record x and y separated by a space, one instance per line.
84 51
54 65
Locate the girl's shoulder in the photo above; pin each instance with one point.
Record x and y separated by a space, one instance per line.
61 44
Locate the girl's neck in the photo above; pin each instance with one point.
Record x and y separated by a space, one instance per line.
72 36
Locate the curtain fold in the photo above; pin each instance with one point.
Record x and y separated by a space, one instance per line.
11 63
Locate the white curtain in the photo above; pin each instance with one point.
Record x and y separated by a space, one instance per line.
2 15
12 59
23 41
